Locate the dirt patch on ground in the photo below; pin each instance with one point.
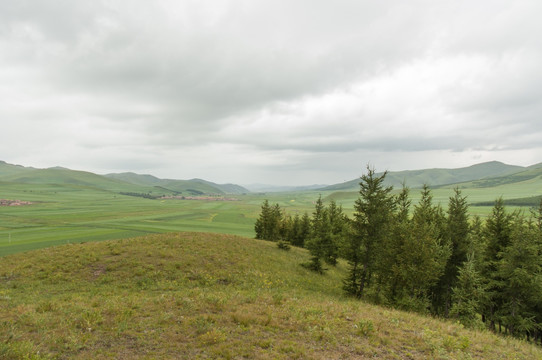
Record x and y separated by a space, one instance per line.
6 202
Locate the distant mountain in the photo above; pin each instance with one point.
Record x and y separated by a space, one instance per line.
191 187
58 176
124 182
437 177
226 188
529 174
10 169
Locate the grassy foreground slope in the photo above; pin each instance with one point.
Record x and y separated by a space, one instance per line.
196 295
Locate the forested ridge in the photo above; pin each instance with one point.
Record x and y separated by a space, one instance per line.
420 257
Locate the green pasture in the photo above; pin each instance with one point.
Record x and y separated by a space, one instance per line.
65 214
69 213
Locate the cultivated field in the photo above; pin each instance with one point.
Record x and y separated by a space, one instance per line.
64 213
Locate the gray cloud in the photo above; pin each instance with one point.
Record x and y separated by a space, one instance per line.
291 86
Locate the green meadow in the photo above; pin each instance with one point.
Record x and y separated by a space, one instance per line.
67 213
210 296
75 206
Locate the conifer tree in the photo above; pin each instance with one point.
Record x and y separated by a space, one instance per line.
318 238
423 255
520 272
269 225
400 230
337 222
262 223
497 233
457 237
371 227
468 294
305 228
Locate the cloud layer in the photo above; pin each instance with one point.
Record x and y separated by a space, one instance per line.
290 92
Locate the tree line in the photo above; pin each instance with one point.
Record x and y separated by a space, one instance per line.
422 258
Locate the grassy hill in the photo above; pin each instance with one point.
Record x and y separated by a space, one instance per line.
123 182
530 175
435 177
9 169
193 186
199 296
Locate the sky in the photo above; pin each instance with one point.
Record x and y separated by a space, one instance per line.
283 92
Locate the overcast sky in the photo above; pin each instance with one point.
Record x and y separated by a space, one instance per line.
278 92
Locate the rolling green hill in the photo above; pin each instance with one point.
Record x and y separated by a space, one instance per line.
204 296
124 182
435 177
530 175
9 169
65 176
193 186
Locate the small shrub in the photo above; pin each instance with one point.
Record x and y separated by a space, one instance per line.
365 327
283 245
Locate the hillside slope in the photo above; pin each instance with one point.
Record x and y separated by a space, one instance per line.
435 177
194 295
193 186
531 174
123 182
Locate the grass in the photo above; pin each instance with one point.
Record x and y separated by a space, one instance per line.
200 296
68 213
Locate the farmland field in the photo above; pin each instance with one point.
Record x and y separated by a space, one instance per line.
67 213
61 214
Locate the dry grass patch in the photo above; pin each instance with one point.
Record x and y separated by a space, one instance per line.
203 296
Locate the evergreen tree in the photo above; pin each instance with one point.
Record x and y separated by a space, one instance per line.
269 225
294 235
337 222
319 237
262 223
468 294
520 272
457 237
423 255
497 233
371 227
386 284
305 229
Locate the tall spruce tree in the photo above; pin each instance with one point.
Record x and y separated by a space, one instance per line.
497 233
392 269
337 221
423 255
520 273
457 237
320 236
269 225
371 228
468 294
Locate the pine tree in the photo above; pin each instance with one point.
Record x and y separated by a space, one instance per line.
497 233
457 236
337 222
423 255
468 294
371 227
520 272
261 225
269 225
318 238
401 229
305 229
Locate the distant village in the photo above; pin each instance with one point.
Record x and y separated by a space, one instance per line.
212 198
6 202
